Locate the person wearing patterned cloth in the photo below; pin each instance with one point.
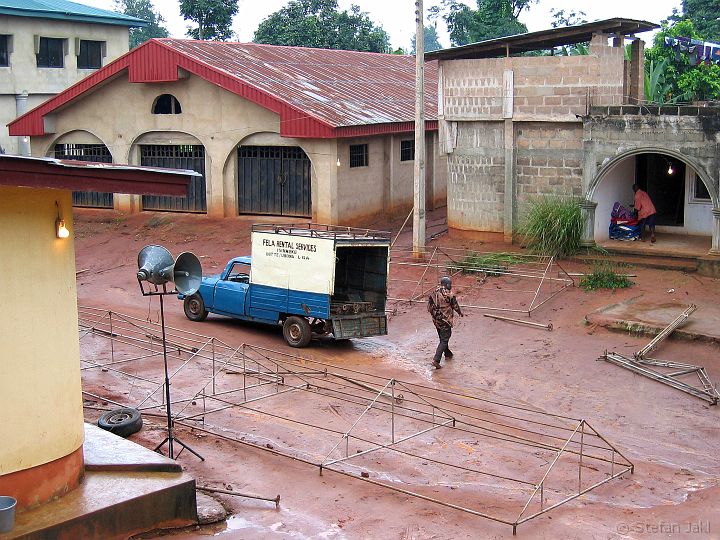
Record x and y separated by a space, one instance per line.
442 305
646 212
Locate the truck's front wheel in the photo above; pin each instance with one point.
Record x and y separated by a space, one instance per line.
195 308
297 332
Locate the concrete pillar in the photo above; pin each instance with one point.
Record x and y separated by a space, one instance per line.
510 181
20 109
587 239
715 248
637 71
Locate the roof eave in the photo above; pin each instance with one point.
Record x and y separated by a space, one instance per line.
49 173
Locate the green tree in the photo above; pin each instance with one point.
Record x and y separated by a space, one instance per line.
684 82
705 14
320 24
143 9
571 18
491 19
431 42
213 18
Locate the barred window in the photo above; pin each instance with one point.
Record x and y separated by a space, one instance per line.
90 54
4 51
51 53
359 155
407 150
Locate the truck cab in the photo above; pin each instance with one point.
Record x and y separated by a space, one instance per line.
312 279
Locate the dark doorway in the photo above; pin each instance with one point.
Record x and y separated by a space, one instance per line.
97 153
182 156
663 177
274 180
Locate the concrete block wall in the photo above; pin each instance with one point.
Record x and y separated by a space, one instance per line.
551 88
549 159
476 178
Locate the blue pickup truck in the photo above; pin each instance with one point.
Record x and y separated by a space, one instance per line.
312 279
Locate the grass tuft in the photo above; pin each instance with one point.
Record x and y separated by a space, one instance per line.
605 277
493 264
552 225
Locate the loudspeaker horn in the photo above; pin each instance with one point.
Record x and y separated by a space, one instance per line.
187 273
155 264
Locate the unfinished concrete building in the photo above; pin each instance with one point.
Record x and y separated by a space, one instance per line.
518 126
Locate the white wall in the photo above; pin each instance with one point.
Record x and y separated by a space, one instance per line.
698 213
615 186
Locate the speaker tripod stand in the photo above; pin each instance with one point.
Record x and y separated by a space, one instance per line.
171 438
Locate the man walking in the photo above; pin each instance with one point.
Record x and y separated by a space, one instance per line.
646 212
442 304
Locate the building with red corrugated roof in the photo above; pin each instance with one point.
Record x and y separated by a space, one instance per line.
293 131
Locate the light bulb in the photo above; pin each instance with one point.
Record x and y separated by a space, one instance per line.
670 169
338 162
61 230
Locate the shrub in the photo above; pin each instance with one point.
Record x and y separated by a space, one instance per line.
552 225
604 277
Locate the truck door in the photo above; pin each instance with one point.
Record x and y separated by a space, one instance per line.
231 291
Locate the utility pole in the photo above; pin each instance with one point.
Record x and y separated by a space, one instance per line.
419 172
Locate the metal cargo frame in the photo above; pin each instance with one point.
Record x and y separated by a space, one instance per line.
540 277
245 389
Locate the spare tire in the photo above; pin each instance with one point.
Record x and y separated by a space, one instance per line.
122 422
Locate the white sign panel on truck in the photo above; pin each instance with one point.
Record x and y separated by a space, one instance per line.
301 263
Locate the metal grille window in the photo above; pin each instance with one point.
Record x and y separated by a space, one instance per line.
90 54
166 104
51 53
359 155
4 51
98 153
407 150
274 180
181 156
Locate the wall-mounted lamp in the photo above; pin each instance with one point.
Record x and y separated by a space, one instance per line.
61 231
338 162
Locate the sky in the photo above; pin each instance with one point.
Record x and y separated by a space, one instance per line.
397 17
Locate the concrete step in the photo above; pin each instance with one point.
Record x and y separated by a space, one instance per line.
124 492
660 260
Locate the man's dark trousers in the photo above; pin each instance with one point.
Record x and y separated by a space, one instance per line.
444 332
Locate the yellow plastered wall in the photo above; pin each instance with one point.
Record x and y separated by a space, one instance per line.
41 415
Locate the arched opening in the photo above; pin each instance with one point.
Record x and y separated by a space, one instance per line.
84 146
683 200
166 104
274 180
174 150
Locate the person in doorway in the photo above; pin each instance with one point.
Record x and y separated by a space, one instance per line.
442 305
646 212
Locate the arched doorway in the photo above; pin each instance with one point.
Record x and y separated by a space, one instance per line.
683 198
274 180
174 150
84 146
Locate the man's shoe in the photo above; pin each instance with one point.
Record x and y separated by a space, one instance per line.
449 356
436 365
652 239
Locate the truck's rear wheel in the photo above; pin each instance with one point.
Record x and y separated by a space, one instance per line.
297 332
194 308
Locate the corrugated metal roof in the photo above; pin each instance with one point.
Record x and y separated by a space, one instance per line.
341 88
541 40
318 93
62 9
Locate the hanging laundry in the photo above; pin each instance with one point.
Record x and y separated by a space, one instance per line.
698 51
